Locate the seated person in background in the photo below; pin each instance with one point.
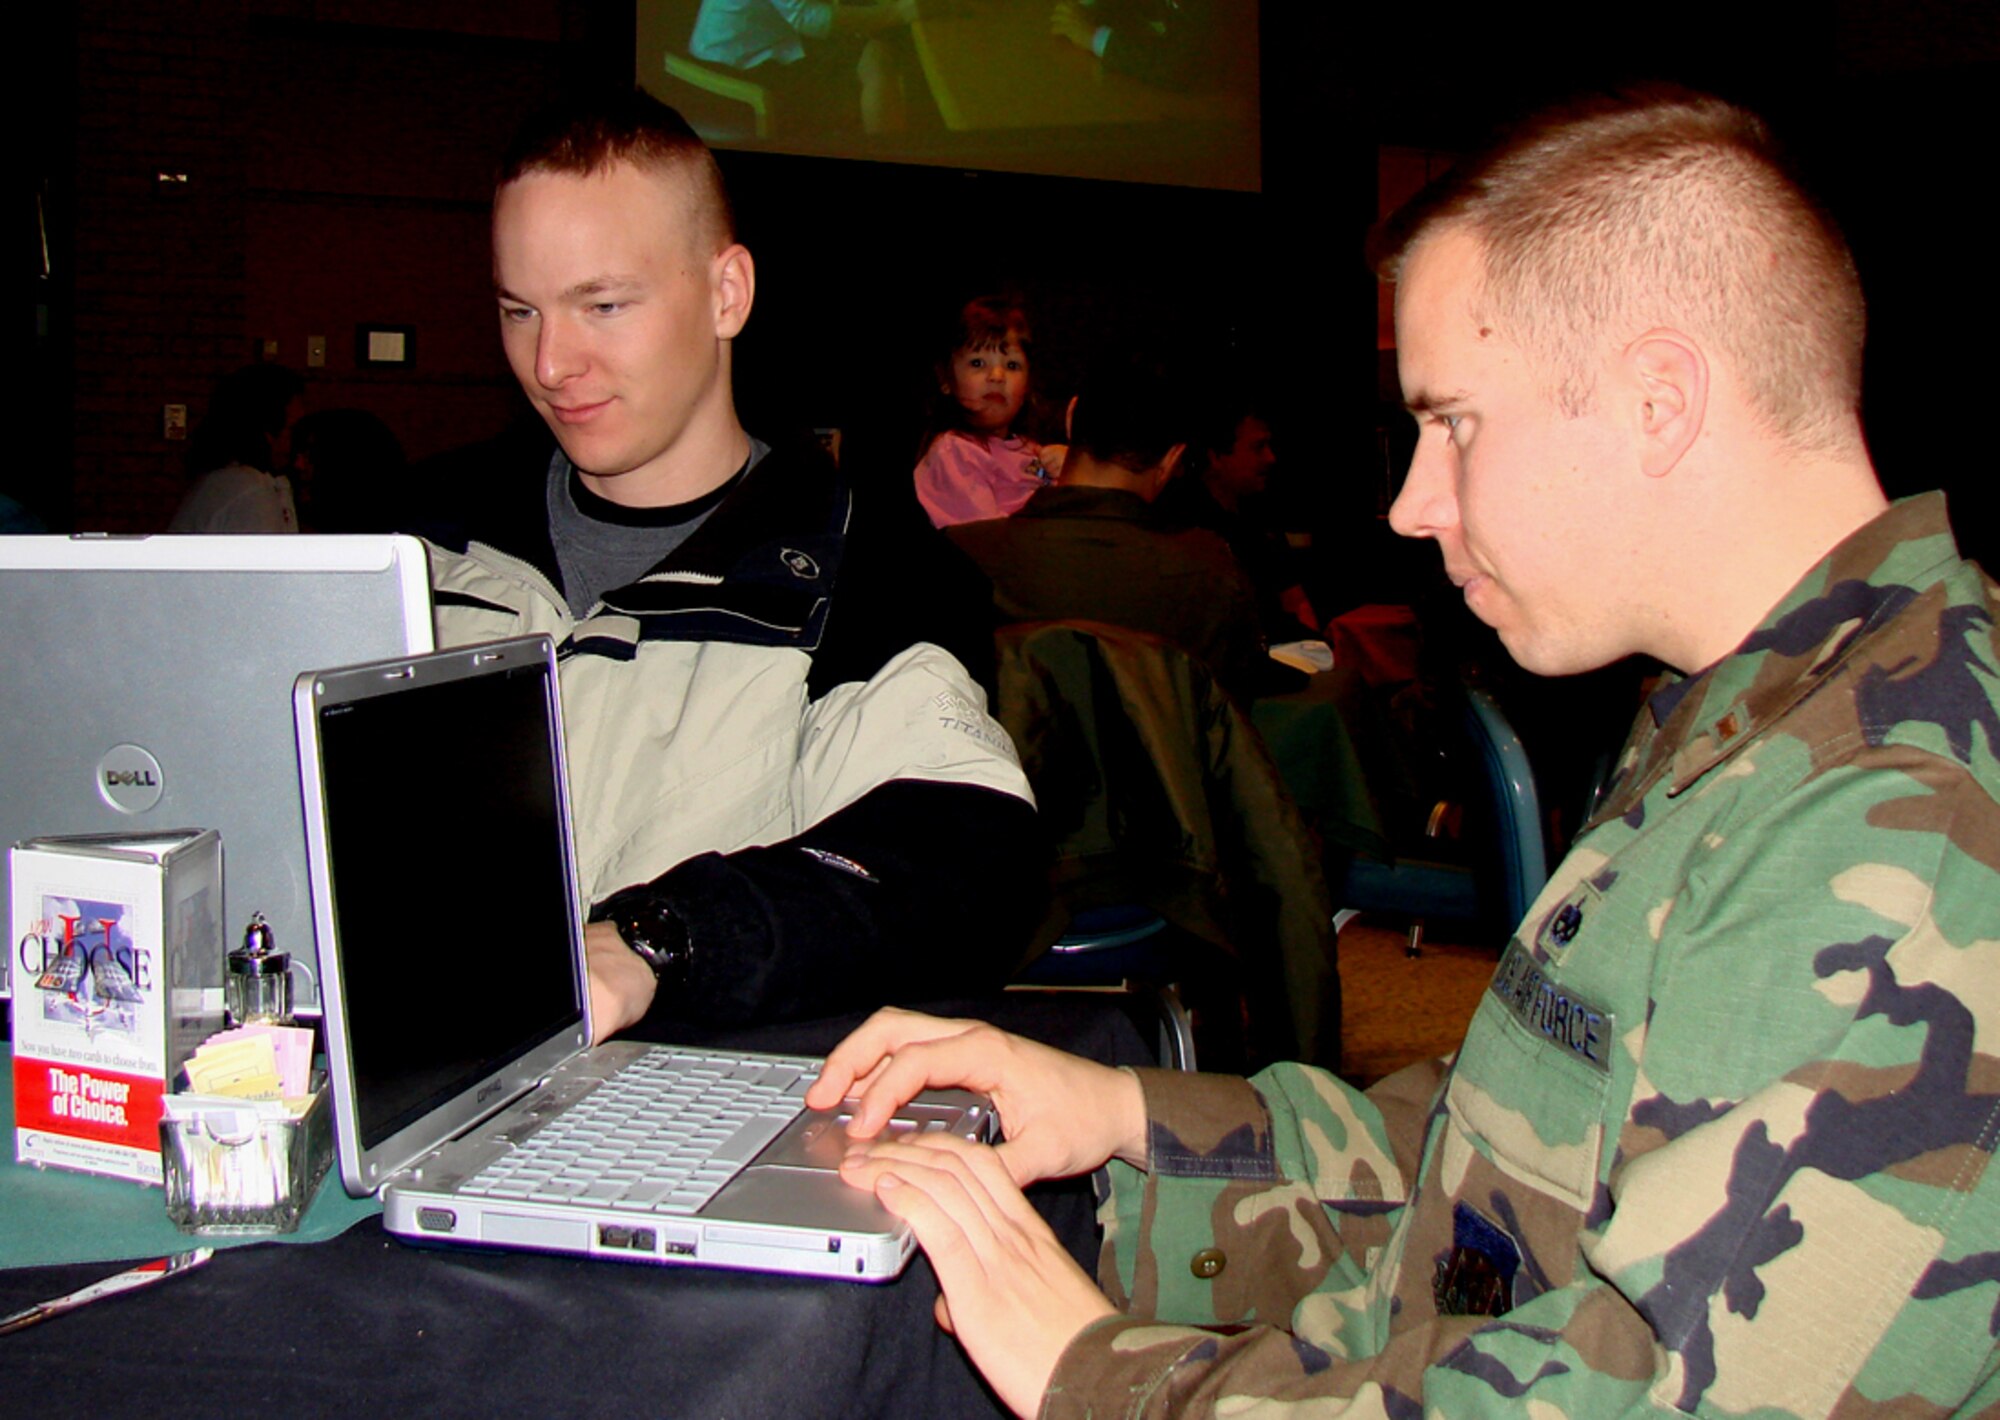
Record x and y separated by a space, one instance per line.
239 454
746 34
975 465
1093 547
1230 459
351 473
1719 1139
789 801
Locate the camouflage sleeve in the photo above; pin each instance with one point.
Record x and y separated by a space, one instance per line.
1260 1197
1240 1172
1230 1223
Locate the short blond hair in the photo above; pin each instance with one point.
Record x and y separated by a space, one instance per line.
1614 216
583 135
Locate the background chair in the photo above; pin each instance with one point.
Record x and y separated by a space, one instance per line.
1494 809
724 84
1132 950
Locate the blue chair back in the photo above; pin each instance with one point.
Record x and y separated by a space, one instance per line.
1498 775
1517 809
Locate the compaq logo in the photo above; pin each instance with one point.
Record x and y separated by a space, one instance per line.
130 779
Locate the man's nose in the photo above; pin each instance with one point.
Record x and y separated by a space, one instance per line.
1427 504
558 355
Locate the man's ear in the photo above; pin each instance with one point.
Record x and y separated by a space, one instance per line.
733 278
1671 378
1163 472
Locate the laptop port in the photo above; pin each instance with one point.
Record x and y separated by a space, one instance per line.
679 1249
610 1235
645 1240
437 1220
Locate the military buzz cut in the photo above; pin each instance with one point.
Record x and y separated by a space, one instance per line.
1658 207
584 134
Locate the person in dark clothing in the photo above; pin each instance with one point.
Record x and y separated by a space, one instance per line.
1230 455
1093 547
789 797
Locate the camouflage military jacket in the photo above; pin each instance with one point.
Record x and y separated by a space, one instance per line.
1718 1138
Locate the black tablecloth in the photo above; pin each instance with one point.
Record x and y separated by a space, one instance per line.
365 1325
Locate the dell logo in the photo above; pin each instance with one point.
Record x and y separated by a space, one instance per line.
129 779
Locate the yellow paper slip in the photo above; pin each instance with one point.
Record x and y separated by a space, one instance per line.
242 1069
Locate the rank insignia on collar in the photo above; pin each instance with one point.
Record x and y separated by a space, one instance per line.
801 565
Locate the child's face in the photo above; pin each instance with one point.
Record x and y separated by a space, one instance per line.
989 383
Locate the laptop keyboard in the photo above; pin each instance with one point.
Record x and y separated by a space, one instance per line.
663 1135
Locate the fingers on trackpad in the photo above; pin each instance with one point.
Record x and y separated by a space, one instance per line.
820 1139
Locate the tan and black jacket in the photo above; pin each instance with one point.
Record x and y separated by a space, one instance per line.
765 727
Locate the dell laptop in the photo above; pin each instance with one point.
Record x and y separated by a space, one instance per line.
149 686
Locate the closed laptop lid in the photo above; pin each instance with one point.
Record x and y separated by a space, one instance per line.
149 684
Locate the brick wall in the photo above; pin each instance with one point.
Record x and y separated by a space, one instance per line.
156 268
336 158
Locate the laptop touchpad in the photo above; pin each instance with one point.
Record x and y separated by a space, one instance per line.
819 1139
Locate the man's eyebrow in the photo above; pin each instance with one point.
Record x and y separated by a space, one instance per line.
1428 402
581 291
600 286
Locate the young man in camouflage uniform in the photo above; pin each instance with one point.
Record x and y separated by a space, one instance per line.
1718 1140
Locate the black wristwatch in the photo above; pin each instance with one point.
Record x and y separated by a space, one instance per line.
651 929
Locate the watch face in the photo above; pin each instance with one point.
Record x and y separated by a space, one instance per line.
656 936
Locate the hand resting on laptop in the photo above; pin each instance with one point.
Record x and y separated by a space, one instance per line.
1012 1294
621 985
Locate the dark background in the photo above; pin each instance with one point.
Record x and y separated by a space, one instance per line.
337 156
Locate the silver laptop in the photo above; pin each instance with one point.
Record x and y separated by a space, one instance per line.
457 1014
149 686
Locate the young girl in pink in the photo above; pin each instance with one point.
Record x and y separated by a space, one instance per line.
975 465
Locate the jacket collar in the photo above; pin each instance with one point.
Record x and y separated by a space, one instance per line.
1076 501
1814 636
758 571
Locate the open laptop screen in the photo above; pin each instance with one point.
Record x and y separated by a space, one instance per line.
447 871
